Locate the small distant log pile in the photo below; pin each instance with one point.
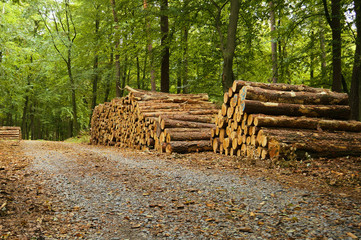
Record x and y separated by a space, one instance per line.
152 120
279 120
10 133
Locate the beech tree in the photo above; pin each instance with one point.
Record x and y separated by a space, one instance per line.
228 42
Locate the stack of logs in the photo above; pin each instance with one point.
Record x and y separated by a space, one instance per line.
10 133
281 120
166 122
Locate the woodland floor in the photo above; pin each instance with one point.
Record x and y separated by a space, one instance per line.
57 190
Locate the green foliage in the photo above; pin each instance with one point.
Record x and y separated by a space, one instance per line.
34 84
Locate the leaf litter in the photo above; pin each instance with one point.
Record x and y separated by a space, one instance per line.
71 191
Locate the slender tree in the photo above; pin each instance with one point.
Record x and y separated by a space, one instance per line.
335 23
227 45
96 56
65 27
149 49
164 27
356 73
273 43
117 51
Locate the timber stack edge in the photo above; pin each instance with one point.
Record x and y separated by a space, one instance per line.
165 122
10 133
285 121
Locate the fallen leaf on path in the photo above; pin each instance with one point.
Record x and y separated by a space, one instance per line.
245 229
351 235
136 226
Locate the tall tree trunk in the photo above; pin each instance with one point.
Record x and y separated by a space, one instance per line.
69 68
96 62
164 27
184 38
273 43
280 63
228 54
144 69
229 46
185 86
124 73
323 54
312 57
118 92
75 126
24 129
32 120
138 73
356 71
335 23
109 77
95 81
179 77
150 50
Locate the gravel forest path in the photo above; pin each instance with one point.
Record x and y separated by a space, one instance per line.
107 195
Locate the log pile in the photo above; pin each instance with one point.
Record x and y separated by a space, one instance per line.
151 120
10 133
280 120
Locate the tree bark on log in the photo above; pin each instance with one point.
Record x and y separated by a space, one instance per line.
288 141
309 98
187 136
238 84
170 123
192 118
305 123
326 111
195 112
187 147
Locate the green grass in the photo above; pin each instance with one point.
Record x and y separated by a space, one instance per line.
83 137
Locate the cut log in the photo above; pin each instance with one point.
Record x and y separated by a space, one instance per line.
326 111
148 95
309 98
284 141
215 145
192 118
187 136
238 84
305 123
193 112
171 123
188 146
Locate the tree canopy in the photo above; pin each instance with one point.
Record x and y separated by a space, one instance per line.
60 58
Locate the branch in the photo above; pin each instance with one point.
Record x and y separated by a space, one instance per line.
218 24
327 14
52 37
74 29
57 29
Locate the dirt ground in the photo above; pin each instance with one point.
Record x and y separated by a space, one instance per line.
55 190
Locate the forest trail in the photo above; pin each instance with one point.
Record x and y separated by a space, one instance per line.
103 193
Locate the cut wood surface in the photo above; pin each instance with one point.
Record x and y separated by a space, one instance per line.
135 121
10 133
268 120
